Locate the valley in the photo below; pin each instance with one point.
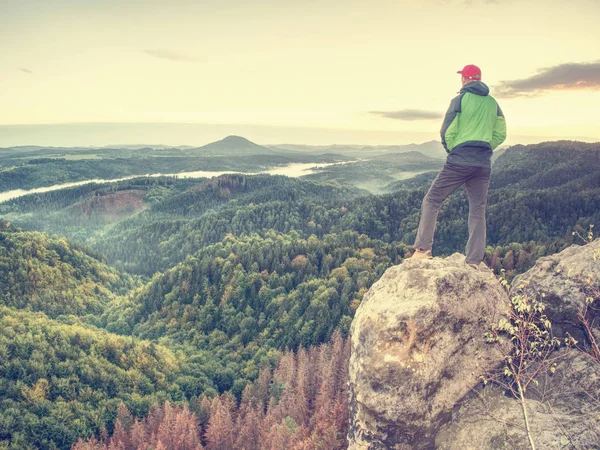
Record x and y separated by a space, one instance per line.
168 288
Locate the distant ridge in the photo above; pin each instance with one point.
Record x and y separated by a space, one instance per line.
145 146
432 149
405 157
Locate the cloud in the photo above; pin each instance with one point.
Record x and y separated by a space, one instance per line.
168 54
23 69
408 114
567 76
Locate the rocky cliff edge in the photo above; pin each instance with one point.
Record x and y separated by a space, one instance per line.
419 351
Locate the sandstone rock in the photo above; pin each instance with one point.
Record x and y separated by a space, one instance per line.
563 280
418 348
564 413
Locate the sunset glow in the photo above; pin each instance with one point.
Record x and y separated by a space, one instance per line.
315 72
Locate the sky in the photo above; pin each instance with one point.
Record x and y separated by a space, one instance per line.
101 72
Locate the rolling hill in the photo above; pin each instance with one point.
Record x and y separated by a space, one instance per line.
432 149
233 269
50 275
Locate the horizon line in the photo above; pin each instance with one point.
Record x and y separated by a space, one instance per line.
426 136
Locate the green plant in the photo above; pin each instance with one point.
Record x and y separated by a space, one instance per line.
524 338
589 239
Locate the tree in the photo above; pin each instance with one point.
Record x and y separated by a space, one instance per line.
219 433
525 341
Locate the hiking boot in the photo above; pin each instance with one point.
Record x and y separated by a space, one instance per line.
421 254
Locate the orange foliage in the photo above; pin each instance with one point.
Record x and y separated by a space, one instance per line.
300 405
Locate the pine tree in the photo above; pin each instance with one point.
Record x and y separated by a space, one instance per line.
124 416
166 428
260 389
91 444
249 430
120 437
138 435
219 433
185 431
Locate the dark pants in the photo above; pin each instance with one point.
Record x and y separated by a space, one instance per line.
450 178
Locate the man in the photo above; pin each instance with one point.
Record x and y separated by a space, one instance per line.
473 127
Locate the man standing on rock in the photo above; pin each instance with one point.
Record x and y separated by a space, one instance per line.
473 127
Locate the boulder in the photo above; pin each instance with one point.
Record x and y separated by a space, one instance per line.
562 282
563 411
417 348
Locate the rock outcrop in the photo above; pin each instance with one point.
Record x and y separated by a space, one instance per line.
563 410
418 348
562 282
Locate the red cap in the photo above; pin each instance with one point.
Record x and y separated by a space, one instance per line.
471 71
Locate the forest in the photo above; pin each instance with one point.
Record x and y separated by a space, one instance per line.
372 168
301 404
131 309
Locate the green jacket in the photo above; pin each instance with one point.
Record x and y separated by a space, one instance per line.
473 126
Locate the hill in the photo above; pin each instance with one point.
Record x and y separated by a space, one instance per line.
233 306
548 165
377 174
432 149
61 381
184 214
268 279
412 156
39 273
60 376
110 207
233 146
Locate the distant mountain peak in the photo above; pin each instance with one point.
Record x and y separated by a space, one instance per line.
233 144
235 138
